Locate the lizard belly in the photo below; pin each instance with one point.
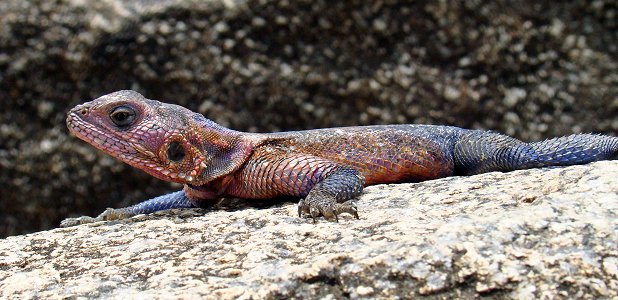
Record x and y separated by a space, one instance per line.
273 172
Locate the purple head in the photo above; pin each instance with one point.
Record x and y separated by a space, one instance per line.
164 140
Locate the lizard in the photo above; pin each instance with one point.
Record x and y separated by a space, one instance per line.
327 168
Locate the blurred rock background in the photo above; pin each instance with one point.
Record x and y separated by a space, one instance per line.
527 68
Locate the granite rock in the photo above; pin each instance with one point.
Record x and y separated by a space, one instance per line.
528 69
535 234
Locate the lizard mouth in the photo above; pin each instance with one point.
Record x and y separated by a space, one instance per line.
92 134
108 142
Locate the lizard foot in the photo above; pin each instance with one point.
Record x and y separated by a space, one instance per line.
107 215
70 222
326 207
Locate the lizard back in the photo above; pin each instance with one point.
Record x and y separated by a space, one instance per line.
382 153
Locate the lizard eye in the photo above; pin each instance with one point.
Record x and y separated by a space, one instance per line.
122 116
175 152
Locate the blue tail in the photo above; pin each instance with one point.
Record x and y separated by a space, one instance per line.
481 151
575 149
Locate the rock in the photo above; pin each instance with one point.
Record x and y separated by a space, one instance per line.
535 70
542 233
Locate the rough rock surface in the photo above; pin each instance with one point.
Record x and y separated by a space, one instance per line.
534 234
530 69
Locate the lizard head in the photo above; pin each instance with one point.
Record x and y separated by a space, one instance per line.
167 141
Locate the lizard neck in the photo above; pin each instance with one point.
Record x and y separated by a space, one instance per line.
224 150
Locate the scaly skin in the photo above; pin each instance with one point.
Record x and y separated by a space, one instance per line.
328 167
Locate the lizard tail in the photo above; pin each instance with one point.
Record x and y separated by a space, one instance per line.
480 151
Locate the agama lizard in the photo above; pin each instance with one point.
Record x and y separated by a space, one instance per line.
328 167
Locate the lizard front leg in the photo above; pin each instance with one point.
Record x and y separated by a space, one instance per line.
332 195
169 201
274 171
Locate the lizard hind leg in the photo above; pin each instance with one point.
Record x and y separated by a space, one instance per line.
332 196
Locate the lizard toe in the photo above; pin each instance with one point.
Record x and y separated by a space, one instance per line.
315 213
70 222
327 207
114 214
328 212
107 215
303 208
347 207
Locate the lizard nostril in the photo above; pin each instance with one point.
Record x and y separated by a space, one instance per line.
84 111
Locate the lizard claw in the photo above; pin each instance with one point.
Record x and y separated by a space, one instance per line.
325 207
301 207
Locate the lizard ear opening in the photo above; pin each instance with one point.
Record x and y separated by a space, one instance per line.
175 151
179 161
